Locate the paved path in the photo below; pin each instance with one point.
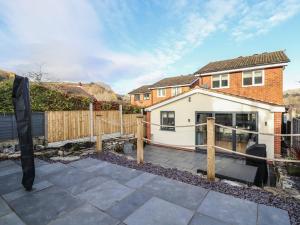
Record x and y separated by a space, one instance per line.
91 191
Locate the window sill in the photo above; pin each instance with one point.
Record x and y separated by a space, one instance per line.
220 87
253 85
167 130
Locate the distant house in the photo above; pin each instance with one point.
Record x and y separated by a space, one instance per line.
244 92
141 96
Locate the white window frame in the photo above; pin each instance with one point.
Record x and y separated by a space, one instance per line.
220 80
147 97
179 91
253 84
162 94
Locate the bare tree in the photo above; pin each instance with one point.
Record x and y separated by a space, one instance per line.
37 76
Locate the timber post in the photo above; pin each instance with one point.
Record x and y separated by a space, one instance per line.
211 148
99 136
140 141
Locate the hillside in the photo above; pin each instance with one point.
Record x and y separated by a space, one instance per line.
292 97
4 75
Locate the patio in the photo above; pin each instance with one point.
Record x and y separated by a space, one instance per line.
91 191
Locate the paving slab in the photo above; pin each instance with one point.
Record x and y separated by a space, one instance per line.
4 208
199 219
21 192
140 180
84 163
229 209
47 169
119 173
44 206
11 182
106 195
87 185
85 215
10 169
183 194
96 167
270 215
128 205
37 162
11 219
159 212
6 163
69 177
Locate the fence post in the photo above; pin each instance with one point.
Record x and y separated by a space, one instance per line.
211 148
91 122
140 142
99 136
121 119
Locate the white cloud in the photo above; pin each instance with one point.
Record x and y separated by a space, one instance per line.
259 18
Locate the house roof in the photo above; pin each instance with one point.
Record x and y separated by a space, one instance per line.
241 99
266 58
141 90
182 80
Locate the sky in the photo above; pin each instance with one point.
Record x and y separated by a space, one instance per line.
129 43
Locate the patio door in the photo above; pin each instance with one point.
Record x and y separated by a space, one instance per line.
201 131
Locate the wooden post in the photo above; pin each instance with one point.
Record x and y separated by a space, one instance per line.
91 122
99 136
211 148
121 119
140 142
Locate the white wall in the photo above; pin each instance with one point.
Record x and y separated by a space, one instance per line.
185 110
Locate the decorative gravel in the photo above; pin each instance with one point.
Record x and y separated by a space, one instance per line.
257 195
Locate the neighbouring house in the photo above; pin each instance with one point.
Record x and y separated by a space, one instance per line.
164 89
245 92
141 96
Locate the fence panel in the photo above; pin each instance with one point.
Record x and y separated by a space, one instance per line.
68 125
8 126
296 130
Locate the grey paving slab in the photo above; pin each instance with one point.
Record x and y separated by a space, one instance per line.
183 194
85 215
11 182
87 185
4 208
270 215
44 206
119 173
37 162
106 195
199 219
96 167
159 212
85 163
128 205
229 209
69 177
47 169
140 180
21 192
7 170
11 219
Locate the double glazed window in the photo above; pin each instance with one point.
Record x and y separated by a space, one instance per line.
220 81
253 78
161 92
176 91
137 97
167 119
146 96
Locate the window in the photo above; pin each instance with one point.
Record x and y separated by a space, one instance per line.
176 91
167 119
146 96
137 97
253 78
161 92
220 81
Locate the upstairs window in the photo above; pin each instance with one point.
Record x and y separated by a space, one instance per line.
253 78
136 97
176 91
161 92
146 96
167 119
220 81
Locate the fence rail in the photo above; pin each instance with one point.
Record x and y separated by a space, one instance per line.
69 125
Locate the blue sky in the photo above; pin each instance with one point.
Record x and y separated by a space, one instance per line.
130 43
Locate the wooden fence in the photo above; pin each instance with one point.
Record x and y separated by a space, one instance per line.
69 125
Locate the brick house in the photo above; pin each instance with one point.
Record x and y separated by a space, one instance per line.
244 92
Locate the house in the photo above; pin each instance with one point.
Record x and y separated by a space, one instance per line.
166 88
245 92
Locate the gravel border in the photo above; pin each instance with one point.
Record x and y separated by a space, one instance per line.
256 195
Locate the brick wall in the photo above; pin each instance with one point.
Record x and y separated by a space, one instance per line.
271 91
156 99
142 102
277 130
